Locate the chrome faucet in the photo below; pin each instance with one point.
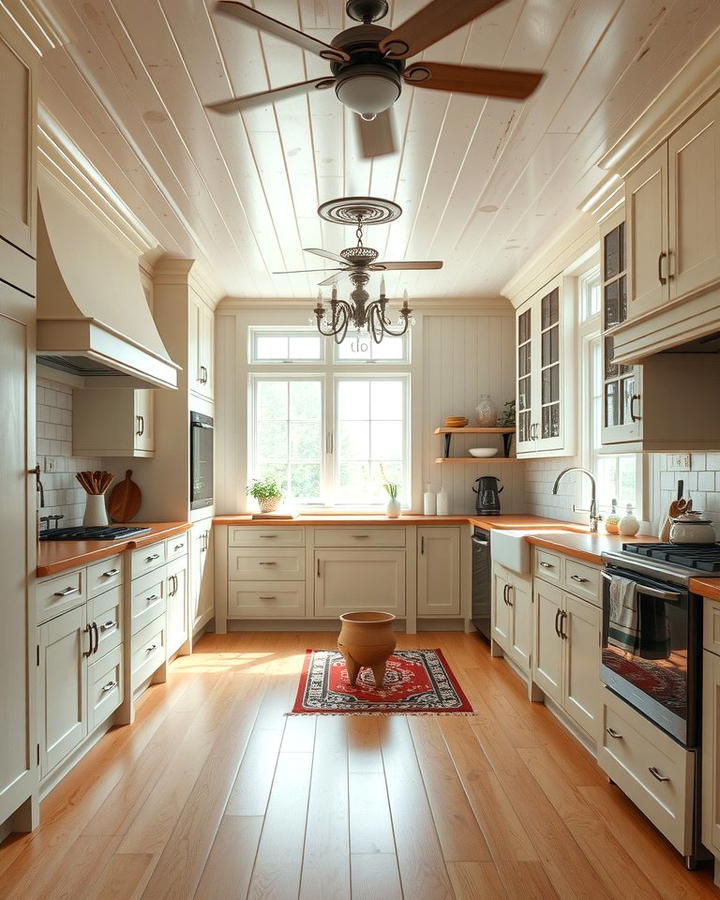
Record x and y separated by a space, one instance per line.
594 517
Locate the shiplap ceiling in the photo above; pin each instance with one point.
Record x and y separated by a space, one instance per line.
483 183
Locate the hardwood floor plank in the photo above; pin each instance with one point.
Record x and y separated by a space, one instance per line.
371 829
476 881
422 869
460 836
375 876
122 878
251 791
278 865
326 860
299 735
364 753
228 868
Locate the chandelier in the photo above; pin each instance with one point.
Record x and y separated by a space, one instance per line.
371 317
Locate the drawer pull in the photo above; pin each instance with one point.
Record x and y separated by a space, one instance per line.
546 565
579 579
67 592
614 734
111 573
361 537
178 546
151 648
109 686
267 597
268 537
149 559
152 598
656 773
106 626
262 563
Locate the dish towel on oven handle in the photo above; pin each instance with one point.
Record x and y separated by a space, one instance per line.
623 631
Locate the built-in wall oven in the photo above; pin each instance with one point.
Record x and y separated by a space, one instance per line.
202 430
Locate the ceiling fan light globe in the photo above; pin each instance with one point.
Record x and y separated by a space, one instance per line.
367 89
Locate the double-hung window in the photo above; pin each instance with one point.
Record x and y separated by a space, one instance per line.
330 422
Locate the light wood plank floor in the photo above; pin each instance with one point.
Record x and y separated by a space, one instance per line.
214 793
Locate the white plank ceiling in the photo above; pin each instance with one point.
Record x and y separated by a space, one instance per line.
482 183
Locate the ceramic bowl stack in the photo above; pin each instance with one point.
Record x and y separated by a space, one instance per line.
455 421
482 452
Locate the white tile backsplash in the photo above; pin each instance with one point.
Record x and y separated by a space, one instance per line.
702 485
63 494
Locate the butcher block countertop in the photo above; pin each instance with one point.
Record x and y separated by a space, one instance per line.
706 587
584 545
402 521
58 556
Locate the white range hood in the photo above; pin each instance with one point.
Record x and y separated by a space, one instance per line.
93 316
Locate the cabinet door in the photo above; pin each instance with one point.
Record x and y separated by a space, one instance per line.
694 180
520 597
64 644
581 632
711 752
202 601
547 661
207 351
354 580
646 206
18 65
501 623
438 572
525 381
548 408
144 420
201 339
177 605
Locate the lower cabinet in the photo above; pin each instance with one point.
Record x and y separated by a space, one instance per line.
711 752
566 653
347 580
438 571
202 599
176 593
512 617
104 687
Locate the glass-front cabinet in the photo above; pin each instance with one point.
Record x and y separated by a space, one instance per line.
542 398
622 398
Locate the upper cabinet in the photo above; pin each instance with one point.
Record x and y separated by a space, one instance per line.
201 340
543 402
18 96
672 201
114 422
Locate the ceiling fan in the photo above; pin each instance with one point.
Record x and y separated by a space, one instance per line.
368 63
359 261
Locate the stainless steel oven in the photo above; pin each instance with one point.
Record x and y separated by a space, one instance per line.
202 431
481 581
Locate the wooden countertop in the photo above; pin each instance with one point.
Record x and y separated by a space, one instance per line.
58 556
586 546
706 587
402 521
522 523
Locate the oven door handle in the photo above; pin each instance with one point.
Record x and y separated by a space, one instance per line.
480 543
650 591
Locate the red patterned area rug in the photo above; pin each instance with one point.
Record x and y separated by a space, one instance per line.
416 681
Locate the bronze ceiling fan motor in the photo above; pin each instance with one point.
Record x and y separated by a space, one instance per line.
366 11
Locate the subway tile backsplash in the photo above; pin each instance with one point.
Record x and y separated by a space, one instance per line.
63 494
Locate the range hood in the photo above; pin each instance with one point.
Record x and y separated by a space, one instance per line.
93 318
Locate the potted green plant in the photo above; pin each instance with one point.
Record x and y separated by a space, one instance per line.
267 492
393 506
507 415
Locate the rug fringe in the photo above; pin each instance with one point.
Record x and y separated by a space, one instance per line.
448 712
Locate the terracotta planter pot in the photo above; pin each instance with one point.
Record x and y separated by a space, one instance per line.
366 639
269 505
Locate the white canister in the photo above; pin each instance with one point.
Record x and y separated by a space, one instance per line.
443 503
95 511
691 528
486 412
629 525
429 502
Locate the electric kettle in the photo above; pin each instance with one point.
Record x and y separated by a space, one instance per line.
488 496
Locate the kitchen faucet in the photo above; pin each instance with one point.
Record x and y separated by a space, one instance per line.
594 517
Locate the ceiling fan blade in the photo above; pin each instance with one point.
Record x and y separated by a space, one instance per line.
326 254
376 138
265 98
304 271
331 280
513 84
425 264
432 23
280 30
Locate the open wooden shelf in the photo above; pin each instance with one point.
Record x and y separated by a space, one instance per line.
505 432
476 459
475 429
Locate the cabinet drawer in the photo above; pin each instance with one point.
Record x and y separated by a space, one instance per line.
631 750
360 537
105 687
57 595
145 559
277 564
147 601
106 612
711 625
583 580
352 579
257 536
147 652
108 573
175 547
259 600
547 565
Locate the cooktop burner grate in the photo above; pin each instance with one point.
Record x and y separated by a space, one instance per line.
704 557
97 533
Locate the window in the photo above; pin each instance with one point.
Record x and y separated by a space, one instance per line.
328 429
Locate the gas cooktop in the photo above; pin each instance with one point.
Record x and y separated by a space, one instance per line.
704 557
97 533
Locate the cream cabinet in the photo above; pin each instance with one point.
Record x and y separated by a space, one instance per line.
118 422
438 571
544 396
349 579
511 615
201 340
202 600
566 653
711 732
177 609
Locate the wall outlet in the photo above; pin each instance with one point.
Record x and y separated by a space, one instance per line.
679 462
50 464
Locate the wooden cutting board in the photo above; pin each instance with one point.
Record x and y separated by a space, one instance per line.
124 500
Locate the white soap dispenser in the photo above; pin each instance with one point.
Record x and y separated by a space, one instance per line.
429 506
629 525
